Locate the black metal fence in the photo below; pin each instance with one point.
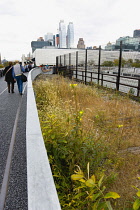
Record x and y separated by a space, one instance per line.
118 70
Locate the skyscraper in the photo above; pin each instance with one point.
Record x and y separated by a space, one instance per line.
81 44
70 35
62 34
50 38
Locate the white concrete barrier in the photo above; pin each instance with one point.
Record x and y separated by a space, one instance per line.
42 194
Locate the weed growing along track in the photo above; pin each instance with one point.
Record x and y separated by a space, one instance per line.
82 124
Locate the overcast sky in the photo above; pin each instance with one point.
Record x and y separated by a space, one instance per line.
96 21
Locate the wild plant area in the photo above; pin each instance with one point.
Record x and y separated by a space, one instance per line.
92 138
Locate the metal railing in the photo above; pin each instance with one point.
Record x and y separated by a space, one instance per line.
87 66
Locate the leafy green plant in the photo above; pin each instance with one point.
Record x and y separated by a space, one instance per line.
136 204
92 191
131 91
83 124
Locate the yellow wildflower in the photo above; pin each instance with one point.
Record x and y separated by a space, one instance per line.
120 126
73 85
81 112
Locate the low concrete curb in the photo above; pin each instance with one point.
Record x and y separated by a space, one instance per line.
42 194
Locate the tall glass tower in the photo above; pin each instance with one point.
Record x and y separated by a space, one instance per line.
62 34
70 35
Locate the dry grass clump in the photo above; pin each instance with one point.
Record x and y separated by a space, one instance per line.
111 121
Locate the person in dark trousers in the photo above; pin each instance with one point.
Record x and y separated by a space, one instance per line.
8 72
17 71
30 66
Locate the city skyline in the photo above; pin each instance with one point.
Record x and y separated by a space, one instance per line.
97 22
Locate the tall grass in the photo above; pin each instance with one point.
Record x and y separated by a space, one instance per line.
82 124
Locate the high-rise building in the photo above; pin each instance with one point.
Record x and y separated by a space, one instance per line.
57 40
48 36
70 36
136 33
62 34
81 44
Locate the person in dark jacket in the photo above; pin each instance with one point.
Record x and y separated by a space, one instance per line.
8 72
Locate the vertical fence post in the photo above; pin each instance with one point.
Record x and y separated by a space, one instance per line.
76 63
99 64
91 77
60 60
70 65
64 60
86 67
57 64
138 92
102 80
119 67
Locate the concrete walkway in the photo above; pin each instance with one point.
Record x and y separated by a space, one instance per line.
17 188
30 185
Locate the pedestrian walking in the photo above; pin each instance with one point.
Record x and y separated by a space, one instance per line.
8 72
17 72
30 66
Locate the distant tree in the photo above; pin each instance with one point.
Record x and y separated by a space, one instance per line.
108 63
1 65
116 62
129 62
137 61
136 64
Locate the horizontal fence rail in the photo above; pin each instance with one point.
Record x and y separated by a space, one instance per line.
93 66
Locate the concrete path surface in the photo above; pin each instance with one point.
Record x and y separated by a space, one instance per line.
16 197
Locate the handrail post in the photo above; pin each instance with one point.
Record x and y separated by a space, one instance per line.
86 67
91 76
76 63
102 80
70 65
119 69
99 64
60 60
138 92
64 60
57 64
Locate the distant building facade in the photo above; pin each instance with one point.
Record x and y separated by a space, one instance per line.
70 36
62 34
60 40
49 37
128 44
136 33
57 40
39 44
40 39
81 44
